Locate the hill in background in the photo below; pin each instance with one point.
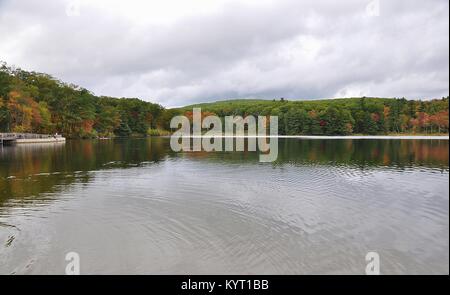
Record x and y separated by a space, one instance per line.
38 103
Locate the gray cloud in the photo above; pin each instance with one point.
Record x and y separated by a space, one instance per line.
292 49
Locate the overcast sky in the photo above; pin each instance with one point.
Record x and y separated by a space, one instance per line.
177 52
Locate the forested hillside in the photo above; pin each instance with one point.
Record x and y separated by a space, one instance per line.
343 116
38 103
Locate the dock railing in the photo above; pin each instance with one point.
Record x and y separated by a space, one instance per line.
7 135
28 135
11 138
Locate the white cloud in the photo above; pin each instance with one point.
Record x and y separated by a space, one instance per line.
182 51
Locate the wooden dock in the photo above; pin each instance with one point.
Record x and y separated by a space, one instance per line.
7 138
18 138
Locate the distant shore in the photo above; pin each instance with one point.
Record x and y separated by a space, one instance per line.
443 137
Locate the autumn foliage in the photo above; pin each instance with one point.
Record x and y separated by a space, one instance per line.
39 103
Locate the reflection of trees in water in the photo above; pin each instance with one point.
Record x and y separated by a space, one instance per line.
354 152
26 171
45 168
366 152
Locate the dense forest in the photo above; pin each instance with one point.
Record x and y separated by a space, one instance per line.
344 116
38 103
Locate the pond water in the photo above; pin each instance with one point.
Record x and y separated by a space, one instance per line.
132 206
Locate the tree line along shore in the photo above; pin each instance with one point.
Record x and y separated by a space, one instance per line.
32 102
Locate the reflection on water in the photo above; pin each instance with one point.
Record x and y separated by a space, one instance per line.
134 206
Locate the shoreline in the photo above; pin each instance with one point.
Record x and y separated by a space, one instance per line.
442 137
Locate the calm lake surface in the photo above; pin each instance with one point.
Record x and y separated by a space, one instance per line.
134 206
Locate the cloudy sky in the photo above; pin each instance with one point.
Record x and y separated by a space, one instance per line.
177 52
